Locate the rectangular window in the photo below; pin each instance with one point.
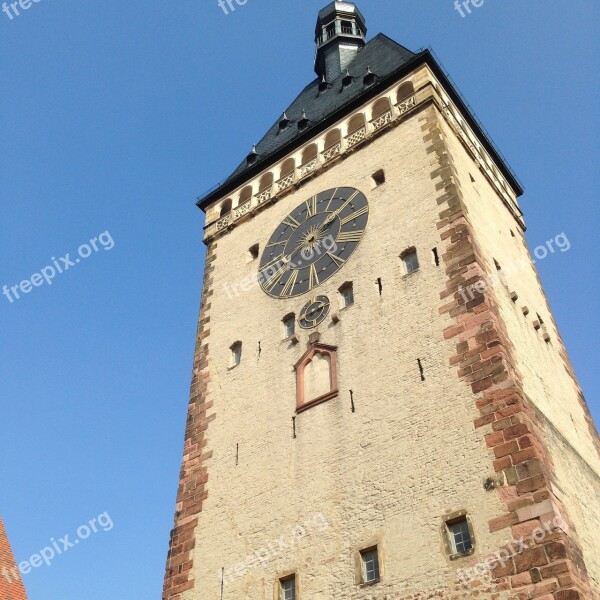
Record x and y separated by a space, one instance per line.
236 354
288 588
347 295
289 326
347 27
410 261
460 536
370 565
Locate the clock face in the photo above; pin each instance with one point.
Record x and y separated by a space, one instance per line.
313 242
314 312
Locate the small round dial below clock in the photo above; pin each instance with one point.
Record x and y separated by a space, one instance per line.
313 242
315 311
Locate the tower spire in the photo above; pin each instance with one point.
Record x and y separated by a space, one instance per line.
340 34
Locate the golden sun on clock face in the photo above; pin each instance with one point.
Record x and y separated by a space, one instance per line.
313 242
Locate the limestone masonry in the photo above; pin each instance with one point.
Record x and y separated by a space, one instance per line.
420 442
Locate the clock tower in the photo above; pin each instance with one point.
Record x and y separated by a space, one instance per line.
381 403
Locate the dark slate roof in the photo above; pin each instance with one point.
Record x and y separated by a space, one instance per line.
382 55
387 60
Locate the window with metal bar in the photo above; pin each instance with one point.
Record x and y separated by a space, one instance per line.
288 588
370 565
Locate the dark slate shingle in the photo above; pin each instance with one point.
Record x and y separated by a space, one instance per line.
382 55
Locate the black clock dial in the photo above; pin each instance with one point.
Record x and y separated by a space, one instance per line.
314 312
313 242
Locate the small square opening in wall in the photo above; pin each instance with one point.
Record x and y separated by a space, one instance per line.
289 325
410 261
253 252
458 535
236 354
378 178
287 588
346 295
370 565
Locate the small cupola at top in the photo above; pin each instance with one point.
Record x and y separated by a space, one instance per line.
341 33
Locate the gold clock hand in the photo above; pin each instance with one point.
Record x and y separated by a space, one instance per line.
333 216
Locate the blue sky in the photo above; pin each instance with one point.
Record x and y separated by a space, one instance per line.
114 117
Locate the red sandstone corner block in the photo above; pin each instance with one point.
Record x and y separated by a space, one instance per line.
556 550
521 579
524 530
555 569
502 463
505 449
494 439
453 331
504 521
528 559
568 595
11 588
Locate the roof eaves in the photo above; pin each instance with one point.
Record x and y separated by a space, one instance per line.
473 121
234 182
424 56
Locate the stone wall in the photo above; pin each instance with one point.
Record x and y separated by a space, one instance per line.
266 492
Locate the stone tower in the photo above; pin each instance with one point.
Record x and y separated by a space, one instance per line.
11 584
381 403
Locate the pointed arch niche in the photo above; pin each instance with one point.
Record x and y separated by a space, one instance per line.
316 376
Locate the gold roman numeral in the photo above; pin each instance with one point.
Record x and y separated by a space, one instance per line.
291 222
274 280
331 199
356 193
276 260
289 286
358 213
311 206
336 259
350 236
314 278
